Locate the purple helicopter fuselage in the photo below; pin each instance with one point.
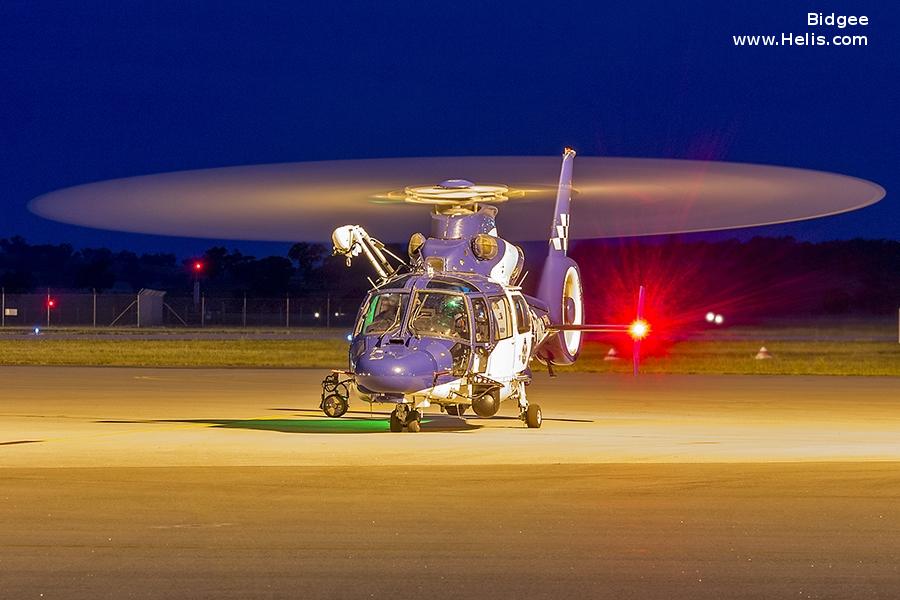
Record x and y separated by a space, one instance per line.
398 360
464 257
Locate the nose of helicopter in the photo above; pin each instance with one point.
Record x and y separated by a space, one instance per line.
396 369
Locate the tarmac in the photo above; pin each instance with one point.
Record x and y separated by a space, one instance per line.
181 483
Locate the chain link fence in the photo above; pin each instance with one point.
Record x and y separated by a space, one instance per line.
77 309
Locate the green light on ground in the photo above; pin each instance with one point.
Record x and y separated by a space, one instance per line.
342 425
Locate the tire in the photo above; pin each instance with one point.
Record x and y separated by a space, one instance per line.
396 423
533 416
335 406
414 420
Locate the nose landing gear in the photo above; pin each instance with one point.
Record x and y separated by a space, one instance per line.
404 416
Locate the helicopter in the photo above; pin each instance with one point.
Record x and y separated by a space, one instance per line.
452 327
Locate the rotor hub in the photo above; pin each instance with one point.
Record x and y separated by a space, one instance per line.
456 192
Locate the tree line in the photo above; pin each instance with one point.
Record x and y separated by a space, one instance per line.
307 269
759 276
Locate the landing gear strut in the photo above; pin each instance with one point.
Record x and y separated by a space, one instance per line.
404 416
529 413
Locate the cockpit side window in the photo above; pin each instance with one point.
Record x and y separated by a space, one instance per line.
502 318
440 314
482 321
361 317
383 312
523 315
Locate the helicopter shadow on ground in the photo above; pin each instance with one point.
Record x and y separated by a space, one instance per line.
441 416
346 424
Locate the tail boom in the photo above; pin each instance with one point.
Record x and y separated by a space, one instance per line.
560 283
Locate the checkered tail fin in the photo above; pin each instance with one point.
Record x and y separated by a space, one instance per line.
559 231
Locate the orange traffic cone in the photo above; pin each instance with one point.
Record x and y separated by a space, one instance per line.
763 354
612 355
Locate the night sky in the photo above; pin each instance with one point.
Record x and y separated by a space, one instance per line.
93 91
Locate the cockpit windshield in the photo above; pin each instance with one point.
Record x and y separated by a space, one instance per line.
440 314
383 313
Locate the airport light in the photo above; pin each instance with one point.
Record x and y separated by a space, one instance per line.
196 267
51 304
639 329
710 317
719 319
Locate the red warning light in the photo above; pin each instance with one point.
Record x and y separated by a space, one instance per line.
198 266
639 329
51 302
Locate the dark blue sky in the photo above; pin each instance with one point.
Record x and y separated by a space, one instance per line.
94 91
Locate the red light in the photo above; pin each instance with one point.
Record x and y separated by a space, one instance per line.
639 329
198 266
51 303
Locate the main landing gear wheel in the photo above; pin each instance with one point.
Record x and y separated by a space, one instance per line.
533 417
396 423
335 406
414 421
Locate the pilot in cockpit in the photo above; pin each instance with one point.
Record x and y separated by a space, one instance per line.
440 314
388 306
